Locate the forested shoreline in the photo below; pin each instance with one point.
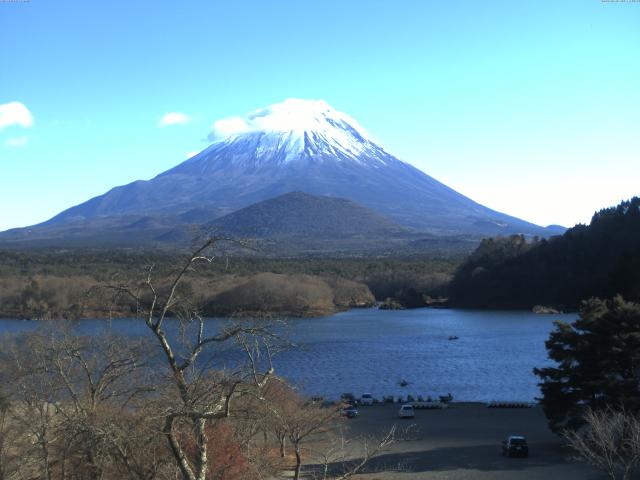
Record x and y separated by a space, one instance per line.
71 285
601 259
515 272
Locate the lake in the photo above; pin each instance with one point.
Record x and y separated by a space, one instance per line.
370 350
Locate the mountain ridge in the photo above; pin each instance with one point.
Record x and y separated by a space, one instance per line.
298 145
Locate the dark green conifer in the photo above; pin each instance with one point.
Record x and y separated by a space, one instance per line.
598 363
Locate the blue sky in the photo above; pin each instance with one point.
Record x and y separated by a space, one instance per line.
532 108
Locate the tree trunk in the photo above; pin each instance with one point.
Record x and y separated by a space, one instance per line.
282 442
202 462
45 454
296 474
176 449
94 470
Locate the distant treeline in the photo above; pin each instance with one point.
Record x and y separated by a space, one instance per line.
598 260
64 284
103 264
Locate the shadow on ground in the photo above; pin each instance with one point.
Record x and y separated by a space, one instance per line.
483 458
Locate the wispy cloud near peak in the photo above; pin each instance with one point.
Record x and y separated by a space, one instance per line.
173 118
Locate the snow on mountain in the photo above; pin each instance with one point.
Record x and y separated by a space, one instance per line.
296 129
306 146
293 115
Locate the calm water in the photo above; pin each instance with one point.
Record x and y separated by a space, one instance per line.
372 350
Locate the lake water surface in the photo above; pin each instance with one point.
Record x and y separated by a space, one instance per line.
370 350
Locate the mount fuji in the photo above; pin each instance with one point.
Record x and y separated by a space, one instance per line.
294 146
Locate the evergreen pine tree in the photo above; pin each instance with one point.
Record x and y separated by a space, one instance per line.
598 363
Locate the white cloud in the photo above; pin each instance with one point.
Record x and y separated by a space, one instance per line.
15 113
173 118
228 127
192 154
16 142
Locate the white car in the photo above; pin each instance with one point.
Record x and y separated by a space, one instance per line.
366 399
406 411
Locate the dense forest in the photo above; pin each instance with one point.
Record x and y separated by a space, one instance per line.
601 259
63 284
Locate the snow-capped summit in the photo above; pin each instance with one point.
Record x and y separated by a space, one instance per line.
296 129
294 115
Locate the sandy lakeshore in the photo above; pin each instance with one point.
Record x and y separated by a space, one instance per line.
463 442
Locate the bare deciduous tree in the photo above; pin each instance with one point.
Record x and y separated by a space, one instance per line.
293 418
73 401
189 403
201 393
345 458
610 441
9 463
303 422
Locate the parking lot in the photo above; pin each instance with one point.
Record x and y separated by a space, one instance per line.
464 442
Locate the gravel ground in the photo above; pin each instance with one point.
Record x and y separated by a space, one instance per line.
463 442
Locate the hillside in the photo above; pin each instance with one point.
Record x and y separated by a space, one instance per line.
601 259
304 215
60 284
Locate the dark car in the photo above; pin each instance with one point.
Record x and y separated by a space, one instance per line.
515 446
349 411
349 398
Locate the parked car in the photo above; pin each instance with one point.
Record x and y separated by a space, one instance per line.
349 411
515 446
348 398
366 399
406 411
446 398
